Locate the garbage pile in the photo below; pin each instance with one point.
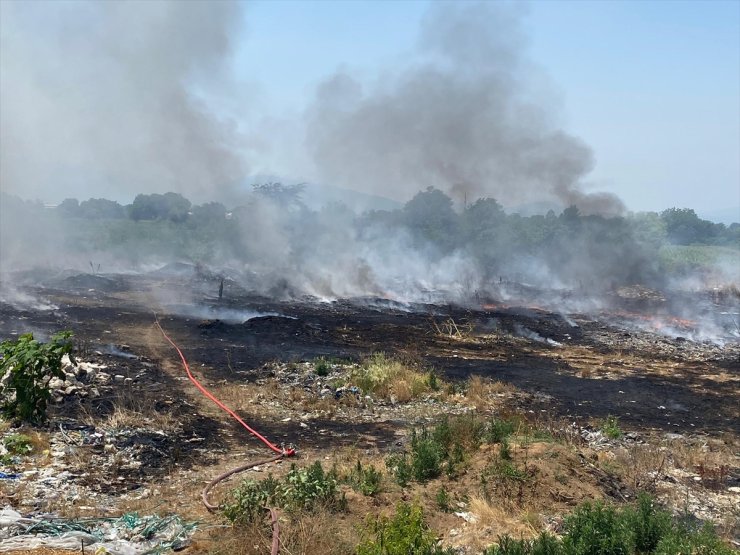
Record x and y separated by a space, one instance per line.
129 534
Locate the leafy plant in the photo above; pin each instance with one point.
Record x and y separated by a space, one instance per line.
435 450
405 533
299 489
544 544
596 529
365 479
610 427
643 529
18 444
399 466
26 367
498 430
443 500
321 367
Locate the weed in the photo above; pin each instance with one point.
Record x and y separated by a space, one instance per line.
504 452
299 489
596 529
610 427
18 444
544 544
405 533
399 465
498 430
321 367
365 479
440 449
443 500
427 456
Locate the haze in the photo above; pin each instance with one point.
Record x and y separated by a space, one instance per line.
632 100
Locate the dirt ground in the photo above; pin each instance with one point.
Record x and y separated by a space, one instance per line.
674 398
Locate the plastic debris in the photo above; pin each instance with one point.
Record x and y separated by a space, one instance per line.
129 534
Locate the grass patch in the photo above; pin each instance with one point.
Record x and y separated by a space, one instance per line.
387 377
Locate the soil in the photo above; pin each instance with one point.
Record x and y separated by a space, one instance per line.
574 369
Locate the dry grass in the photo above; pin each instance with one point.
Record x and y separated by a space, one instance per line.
641 466
131 409
499 519
451 329
301 534
388 377
485 394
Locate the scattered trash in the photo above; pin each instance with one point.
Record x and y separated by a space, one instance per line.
129 534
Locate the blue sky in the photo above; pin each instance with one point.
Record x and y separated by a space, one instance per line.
652 87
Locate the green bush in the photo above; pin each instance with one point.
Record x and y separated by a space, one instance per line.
399 466
433 451
597 529
299 489
405 533
610 427
497 430
544 544
443 500
18 444
365 479
26 366
321 367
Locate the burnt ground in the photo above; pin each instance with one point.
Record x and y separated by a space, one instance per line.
672 385
145 439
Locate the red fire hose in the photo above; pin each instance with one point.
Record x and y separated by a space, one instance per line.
280 451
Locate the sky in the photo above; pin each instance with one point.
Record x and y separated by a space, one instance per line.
652 87
116 98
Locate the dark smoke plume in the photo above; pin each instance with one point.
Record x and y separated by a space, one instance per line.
97 97
462 121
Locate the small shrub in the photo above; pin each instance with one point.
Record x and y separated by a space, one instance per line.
544 544
647 523
321 367
433 451
443 500
610 428
505 450
365 479
427 456
26 366
596 529
399 466
405 533
299 489
498 430
18 444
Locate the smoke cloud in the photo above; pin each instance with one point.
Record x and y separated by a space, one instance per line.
464 121
99 98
